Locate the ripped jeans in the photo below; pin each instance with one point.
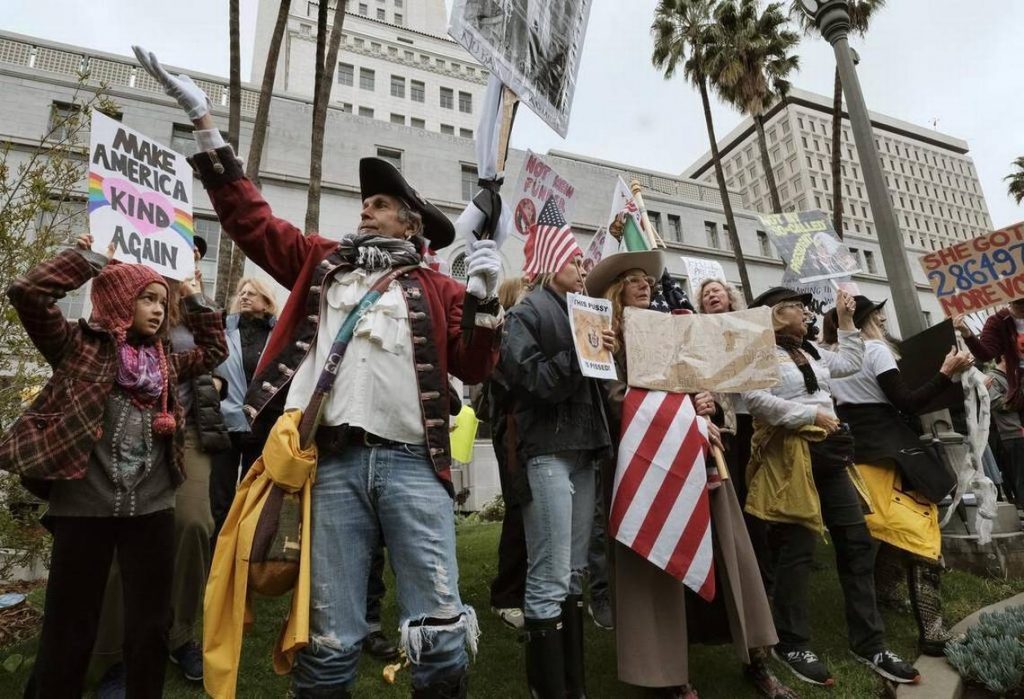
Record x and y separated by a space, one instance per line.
359 494
557 521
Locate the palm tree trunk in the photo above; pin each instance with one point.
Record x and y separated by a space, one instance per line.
321 49
231 261
766 163
837 156
234 76
734 237
323 96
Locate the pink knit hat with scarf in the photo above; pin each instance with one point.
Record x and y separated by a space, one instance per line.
114 291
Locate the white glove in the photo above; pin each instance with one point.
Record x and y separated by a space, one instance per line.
483 265
189 95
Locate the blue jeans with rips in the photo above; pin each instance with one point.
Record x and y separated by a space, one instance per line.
557 521
358 495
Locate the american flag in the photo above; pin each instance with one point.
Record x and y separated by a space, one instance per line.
669 295
551 243
660 506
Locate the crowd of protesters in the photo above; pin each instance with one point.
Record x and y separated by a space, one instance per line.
160 405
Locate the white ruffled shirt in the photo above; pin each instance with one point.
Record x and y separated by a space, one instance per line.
376 387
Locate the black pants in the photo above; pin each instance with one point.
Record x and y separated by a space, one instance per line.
375 589
83 548
227 469
793 553
509 585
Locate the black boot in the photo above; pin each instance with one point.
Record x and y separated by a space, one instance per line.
572 641
926 601
545 661
452 687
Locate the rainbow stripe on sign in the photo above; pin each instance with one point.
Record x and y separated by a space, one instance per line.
182 224
96 196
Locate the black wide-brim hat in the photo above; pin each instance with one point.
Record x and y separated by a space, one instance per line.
378 176
864 307
200 244
780 294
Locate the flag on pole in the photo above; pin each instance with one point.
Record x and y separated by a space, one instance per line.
660 505
550 245
626 212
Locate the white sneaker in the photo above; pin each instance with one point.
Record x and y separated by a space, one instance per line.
512 616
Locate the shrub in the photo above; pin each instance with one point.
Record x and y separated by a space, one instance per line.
992 652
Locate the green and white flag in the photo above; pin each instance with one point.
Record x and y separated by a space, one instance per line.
625 210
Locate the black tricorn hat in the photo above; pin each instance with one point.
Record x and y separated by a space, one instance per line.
378 176
778 294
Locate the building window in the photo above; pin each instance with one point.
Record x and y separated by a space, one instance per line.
417 123
439 62
655 219
380 14
397 118
391 155
711 231
209 229
66 120
183 139
469 182
346 107
366 112
447 98
375 47
675 228
465 103
763 245
399 19
397 86
448 129
363 9
346 74
367 79
466 133
398 3
869 262
417 91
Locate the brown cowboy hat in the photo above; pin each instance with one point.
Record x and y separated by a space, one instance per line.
608 270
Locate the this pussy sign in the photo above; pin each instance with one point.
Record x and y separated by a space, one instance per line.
140 199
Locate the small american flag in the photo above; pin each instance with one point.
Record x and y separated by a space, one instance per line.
551 244
660 505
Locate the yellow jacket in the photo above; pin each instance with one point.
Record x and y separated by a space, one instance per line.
900 517
226 609
780 484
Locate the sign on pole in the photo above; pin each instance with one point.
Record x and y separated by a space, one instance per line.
538 181
977 274
588 318
722 352
140 196
533 47
698 269
809 246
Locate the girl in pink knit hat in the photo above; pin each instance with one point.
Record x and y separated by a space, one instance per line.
103 443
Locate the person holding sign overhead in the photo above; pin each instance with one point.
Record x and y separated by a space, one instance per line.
1002 336
561 434
392 328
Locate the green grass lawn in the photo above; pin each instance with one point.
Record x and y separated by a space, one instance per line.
498 669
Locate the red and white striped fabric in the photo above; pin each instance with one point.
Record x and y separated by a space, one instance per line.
550 244
660 506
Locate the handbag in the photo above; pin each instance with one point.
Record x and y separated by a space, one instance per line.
277 542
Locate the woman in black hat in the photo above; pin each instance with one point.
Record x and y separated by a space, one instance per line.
798 481
903 481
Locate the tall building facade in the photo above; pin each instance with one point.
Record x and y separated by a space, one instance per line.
932 180
395 63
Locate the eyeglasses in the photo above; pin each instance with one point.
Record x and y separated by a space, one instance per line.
793 304
637 280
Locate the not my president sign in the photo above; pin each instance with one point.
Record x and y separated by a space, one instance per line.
140 198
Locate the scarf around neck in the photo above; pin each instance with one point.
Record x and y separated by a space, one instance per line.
140 373
375 253
793 345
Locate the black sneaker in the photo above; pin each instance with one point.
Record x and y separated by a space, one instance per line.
601 612
806 666
189 657
891 667
112 684
378 645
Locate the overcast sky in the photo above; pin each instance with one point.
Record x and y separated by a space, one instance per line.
947 60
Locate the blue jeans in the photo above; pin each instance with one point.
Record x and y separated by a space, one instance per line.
358 495
557 522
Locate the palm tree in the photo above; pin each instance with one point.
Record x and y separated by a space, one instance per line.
1016 187
234 76
861 14
749 66
683 30
322 95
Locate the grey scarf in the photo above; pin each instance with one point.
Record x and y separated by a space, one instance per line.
375 253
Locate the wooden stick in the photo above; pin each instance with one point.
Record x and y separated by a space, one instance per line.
723 470
653 238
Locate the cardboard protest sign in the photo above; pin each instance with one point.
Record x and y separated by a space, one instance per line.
538 181
588 317
697 270
723 352
140 198
533 47
977 274
809 246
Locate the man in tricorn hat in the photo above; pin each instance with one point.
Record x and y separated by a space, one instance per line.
384 460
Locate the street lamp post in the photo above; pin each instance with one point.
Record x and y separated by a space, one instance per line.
832 18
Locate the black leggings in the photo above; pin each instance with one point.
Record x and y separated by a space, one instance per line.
83 548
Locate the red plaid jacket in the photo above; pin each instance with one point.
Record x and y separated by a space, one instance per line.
60 429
